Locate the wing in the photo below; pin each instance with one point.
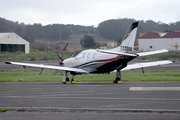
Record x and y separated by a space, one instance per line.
148 64
48 67
152 52
116 53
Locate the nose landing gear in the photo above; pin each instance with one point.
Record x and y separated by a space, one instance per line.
66 79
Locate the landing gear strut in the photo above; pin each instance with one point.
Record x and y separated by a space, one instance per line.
118 78
65 77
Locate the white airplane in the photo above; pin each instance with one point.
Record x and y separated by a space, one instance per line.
102 61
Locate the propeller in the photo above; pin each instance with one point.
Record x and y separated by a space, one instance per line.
60 63
60 58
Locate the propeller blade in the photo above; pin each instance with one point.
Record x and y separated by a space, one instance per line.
59 56
65 47
56 72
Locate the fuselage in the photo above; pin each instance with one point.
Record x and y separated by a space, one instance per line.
97 62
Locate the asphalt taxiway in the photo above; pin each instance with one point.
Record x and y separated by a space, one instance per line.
87 100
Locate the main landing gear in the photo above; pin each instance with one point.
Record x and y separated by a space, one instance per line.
72 80
66 79
118 78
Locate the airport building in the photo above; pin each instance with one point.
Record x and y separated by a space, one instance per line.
159 40
112 44
11 42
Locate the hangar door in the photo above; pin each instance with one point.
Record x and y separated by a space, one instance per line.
12 48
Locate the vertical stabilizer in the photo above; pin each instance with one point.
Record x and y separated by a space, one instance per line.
127 43
129 38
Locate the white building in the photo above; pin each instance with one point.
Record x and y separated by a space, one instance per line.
159 40
11 42
112 44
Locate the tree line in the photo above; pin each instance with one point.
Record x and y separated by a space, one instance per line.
116 28
110 29
47 32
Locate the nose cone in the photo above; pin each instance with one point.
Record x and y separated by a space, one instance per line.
60 63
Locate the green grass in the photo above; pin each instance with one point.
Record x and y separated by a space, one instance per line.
3 110
131 75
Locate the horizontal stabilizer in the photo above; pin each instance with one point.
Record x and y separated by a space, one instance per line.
148 64
116 53
152 52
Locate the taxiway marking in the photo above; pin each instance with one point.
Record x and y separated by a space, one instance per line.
154 89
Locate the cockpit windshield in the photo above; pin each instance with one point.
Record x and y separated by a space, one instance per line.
79 55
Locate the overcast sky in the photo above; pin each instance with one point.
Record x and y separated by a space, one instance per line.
88 12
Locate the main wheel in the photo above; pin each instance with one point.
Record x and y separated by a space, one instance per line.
117 79
67 79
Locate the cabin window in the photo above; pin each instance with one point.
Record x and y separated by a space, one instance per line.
84 55
88 55
94 55
150 46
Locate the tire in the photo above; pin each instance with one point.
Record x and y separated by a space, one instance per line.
67 79
117 79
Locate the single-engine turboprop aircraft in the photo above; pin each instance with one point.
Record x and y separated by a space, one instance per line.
102 61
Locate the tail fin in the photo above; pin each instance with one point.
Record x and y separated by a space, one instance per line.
129 38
